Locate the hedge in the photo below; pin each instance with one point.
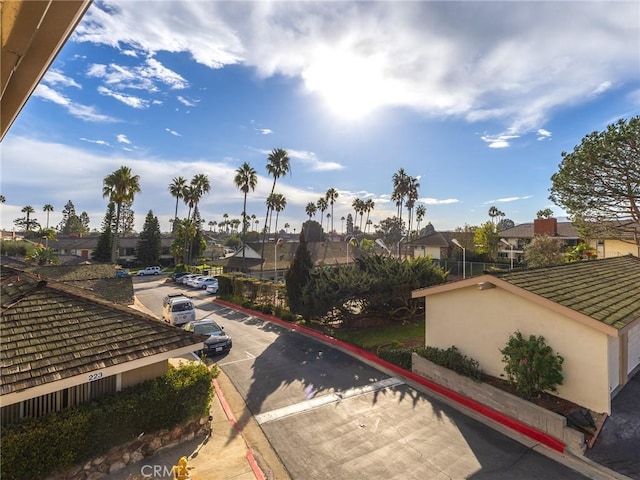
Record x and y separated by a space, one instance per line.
36 448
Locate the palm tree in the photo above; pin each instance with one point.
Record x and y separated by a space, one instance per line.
278 165
310 209
199 185
47 208
421 211
412 198
279 204
226 223
253 221
176 189
211 224
322 206
286 227
359 207
368 207
28 210
256 221
400 183
2 199
119 187
246 179
331 196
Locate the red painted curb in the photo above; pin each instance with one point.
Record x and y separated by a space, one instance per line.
227 411
499 417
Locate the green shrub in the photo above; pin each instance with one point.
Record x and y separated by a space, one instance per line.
450 358
531 365
35 448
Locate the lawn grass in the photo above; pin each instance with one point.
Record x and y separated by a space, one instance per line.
371 337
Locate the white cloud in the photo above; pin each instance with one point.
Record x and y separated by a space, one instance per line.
265 131
173 132
122 138
311 160
543 134
507 199
603 87
129 100
77 110
435 201
97 142
55 77
514 62
185 102
501 140
148 76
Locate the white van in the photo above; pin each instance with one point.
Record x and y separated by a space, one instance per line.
178 309
149 271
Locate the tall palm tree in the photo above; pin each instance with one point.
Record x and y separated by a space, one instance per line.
412 198
331 196
200 185
400 183
226 222
421 211
310 209
246 179
176 189
253 221
47 208
28 210
322 206
279 204
278 165
119 187
359 207
368 206
286 227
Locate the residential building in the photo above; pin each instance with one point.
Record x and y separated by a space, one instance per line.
588 312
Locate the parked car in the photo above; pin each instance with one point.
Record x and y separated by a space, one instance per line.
185 278
176 276
192 281
204 282
218 341
213 287
122 273
149 271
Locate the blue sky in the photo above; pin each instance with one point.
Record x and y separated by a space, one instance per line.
477 99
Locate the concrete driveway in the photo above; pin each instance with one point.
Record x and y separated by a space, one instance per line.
618 445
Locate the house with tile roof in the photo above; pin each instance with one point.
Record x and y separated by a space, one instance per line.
62 345
588 312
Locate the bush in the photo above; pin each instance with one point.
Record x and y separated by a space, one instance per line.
531 365
450 358
36 448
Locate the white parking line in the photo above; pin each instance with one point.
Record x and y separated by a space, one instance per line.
249 357
325 400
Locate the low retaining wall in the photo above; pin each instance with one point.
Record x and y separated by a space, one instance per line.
145 446
526 412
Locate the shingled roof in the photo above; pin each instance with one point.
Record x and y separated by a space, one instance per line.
607 290
52 331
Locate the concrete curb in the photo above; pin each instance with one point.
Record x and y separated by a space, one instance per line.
536 439
227 411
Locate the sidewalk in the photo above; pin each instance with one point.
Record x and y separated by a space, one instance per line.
224 455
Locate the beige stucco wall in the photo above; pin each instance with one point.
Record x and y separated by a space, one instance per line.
479 322
618 248
138 375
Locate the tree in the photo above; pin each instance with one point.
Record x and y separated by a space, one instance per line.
313 231
149 245
598 184
279 204
322 206
531 365
390 230
543 251
27 222
28 210
41 255
297 275
71 223
119 187
486 240
494 215
331 196
368 206
545 213
505 223
102 253
420 213
246 179
176 189
310 209
47 208
2 199
278 165
400 181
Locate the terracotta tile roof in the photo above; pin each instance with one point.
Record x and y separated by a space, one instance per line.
607 290
51 331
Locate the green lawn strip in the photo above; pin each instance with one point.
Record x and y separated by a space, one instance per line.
371 337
